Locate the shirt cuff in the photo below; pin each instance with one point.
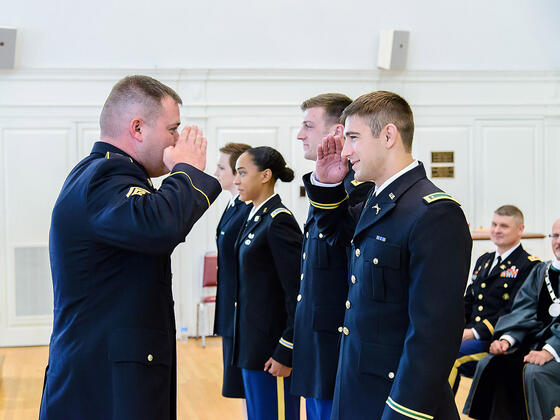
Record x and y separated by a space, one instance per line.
509 339
315 181
476 334
551 350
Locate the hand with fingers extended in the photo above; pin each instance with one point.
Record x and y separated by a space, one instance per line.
276 368
190 148
330 167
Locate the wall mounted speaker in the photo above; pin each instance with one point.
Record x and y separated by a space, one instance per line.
393 48
7 47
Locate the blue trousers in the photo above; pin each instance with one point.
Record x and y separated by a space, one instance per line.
268 397
470 352
318 409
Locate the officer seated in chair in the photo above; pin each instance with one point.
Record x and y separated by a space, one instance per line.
496 278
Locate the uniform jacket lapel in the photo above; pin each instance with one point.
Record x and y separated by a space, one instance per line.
378 206
257 218
229 212
488 264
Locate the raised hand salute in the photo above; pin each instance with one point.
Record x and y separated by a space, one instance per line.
331 167
190 148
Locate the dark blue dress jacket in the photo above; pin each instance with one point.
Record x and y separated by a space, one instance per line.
112 352
323 291
231 222
404 314
492 292
268 254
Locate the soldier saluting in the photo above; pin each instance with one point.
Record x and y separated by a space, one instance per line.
407 273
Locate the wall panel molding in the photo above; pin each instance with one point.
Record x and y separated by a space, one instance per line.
465 111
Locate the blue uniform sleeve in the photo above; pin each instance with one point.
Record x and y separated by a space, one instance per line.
336 216
285 240
126 214
440 248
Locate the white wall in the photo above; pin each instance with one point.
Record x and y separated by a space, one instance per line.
483 81
444 35
503 127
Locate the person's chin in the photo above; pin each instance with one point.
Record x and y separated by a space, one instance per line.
357 172
308 155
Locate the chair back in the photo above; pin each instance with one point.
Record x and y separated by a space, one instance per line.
210 270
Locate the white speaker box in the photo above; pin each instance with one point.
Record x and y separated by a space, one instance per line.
7 47
393 48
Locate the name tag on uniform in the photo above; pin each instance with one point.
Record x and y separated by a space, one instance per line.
222 233
381 238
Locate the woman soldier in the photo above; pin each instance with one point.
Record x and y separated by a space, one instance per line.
268 263
231 222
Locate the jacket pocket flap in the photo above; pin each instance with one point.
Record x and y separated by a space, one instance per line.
380 360
383 254
140 345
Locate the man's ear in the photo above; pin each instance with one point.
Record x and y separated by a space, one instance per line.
390 134
135 128
338 130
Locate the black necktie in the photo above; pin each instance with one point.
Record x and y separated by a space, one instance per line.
497 266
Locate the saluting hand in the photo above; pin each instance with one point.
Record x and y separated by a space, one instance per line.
277 369
190 148
330 167
499 346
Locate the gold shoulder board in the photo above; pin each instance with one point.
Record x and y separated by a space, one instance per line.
430 198
278 211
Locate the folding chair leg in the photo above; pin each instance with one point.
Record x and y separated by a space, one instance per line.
197 318
203 317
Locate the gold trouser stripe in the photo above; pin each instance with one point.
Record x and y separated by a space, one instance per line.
462 360
489 326
190 180
280 394
524 391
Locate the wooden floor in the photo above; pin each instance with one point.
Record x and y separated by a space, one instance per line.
199 379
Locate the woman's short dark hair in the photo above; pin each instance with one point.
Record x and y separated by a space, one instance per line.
265 157
234 150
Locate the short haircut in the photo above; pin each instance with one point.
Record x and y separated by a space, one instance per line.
143 91
234 150
382 108
332 103
512 211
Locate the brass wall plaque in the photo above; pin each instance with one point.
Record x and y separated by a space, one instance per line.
443 172
443 157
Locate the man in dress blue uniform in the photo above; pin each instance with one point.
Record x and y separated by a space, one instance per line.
409 265
520 378
324 272
112 353
496 279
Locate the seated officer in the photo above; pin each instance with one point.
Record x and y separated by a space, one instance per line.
496 278
521 376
